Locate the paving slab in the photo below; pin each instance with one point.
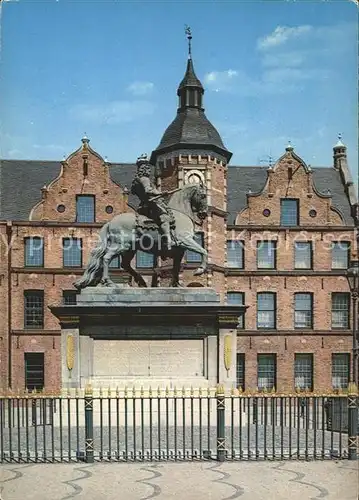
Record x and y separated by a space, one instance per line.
263 480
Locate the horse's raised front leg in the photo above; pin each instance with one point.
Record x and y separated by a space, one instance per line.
177 259
126 264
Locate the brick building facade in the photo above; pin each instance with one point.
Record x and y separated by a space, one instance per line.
279 240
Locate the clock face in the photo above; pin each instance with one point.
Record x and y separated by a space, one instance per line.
194 177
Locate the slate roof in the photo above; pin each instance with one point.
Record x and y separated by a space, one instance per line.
190 78
329 178
21 182
20 186
191 127
241 180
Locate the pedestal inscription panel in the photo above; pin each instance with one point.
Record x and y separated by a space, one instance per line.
148 358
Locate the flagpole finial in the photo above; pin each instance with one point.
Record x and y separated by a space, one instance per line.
189 38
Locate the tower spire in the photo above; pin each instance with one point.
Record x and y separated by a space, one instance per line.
189 38
191 129
190 90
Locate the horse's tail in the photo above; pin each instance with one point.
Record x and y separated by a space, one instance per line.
93 271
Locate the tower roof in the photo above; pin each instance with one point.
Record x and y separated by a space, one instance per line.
191 129
190 78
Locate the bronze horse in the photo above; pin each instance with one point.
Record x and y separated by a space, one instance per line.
129 232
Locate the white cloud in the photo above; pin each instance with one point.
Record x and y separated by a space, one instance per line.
284 75
14 153
112 112
288 67
140 88
281 35
220 80
271 81
290 59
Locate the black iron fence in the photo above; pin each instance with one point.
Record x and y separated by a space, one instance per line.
138 425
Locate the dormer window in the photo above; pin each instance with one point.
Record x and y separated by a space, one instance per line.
85 208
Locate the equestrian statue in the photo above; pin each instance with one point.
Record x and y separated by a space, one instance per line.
163 225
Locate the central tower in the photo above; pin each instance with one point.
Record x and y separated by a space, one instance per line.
191 150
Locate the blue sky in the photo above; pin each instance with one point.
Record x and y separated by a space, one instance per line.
273 72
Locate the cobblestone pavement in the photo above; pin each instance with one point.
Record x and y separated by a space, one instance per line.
295 480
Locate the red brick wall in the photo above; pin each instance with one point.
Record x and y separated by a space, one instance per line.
72 182
50 345
321 346
289 178
3 305
53 279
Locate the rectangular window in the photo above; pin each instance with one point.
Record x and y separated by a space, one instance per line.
237 298
235 254
266 254
241 371
303 310
85 208
34 370
34 252
340 310
340 370
116 262
266 310
303 255
144 260
289 212
72 252
303 371
194 257
267 372
34 309
69 297
340 254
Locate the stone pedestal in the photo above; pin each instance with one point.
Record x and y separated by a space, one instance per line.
158 337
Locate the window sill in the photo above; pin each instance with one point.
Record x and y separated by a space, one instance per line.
36 331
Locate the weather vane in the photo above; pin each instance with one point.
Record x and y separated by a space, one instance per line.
189 38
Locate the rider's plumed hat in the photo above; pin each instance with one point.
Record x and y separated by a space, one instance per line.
142 160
